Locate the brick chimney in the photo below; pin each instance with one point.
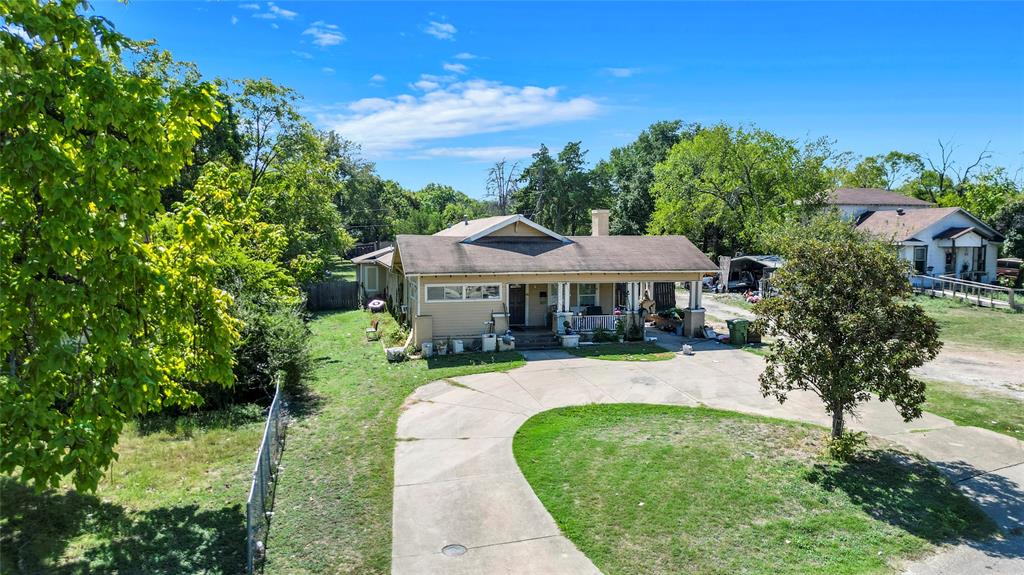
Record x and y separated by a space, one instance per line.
599 222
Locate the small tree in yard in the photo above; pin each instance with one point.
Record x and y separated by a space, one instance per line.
844 327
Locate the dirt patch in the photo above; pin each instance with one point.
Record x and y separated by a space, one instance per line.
996 371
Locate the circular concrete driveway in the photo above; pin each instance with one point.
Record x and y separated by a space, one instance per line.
457 482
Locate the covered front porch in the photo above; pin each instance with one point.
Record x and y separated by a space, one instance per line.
588 306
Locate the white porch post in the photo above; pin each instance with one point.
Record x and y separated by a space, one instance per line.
693 316
562 309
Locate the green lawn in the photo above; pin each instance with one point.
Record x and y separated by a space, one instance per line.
173 503
966 405
638 351
333 508
733 299
995 329
341 269
660 490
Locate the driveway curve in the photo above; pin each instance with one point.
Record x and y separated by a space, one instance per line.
458 484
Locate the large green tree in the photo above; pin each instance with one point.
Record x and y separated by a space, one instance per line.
559 192
843 326
723 185
632 174
98 321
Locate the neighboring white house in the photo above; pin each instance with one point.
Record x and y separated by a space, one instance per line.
853 203
937 241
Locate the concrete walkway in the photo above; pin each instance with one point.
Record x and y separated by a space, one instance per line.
457 482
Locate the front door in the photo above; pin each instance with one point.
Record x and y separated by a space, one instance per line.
516 304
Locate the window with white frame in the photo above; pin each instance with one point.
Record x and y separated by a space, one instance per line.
463 292
370 280
920 259
586 295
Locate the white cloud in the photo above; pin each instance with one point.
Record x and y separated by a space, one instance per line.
324 34
234 20
482 154
303 55
274 25
274 12
327 70
456 68
249 6
441 30
620 72
465 56
426 85
383 125
377 79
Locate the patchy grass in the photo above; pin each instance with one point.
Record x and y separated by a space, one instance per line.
638 351
733 299
966 405
174 502
341 269
661 489
973 326
333 507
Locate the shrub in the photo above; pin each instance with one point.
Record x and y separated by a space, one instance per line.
846 446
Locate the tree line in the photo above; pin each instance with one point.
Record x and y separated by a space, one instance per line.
729 188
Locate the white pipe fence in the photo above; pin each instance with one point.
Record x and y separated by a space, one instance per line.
976 293
264 479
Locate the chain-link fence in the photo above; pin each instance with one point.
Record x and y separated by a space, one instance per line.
261 494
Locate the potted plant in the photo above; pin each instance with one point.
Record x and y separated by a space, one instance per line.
620 330
570 338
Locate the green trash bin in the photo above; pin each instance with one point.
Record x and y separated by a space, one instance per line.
738 329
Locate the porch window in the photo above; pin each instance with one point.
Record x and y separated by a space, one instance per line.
950 261
468 292
587 295
483 292
980 259
920 259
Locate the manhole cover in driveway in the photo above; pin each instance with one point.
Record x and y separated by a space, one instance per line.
453 550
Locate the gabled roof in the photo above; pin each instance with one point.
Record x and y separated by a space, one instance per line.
473 230
466 228
872 197
450 255
375 256
905 227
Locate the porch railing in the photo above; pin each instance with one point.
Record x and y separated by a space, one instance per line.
977 293
588 323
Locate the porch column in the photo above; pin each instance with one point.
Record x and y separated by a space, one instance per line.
693 316
562 313
560 298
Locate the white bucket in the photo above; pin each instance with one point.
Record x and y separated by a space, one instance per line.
428 348
488 342
456 346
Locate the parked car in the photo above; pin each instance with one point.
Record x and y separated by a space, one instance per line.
1008 268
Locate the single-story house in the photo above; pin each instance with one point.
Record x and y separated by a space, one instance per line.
507 272
853 203
937 241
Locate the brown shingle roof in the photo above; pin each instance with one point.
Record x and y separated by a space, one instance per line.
890 225
372 256
510 255
464 229
871 196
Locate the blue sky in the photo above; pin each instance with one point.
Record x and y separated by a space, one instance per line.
437 91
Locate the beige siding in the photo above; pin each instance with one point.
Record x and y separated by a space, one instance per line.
517 229
460 318
552 278
465 319
536 306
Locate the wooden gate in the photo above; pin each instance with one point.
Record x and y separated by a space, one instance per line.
664 295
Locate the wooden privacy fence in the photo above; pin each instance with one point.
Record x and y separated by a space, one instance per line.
362 249
332 295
